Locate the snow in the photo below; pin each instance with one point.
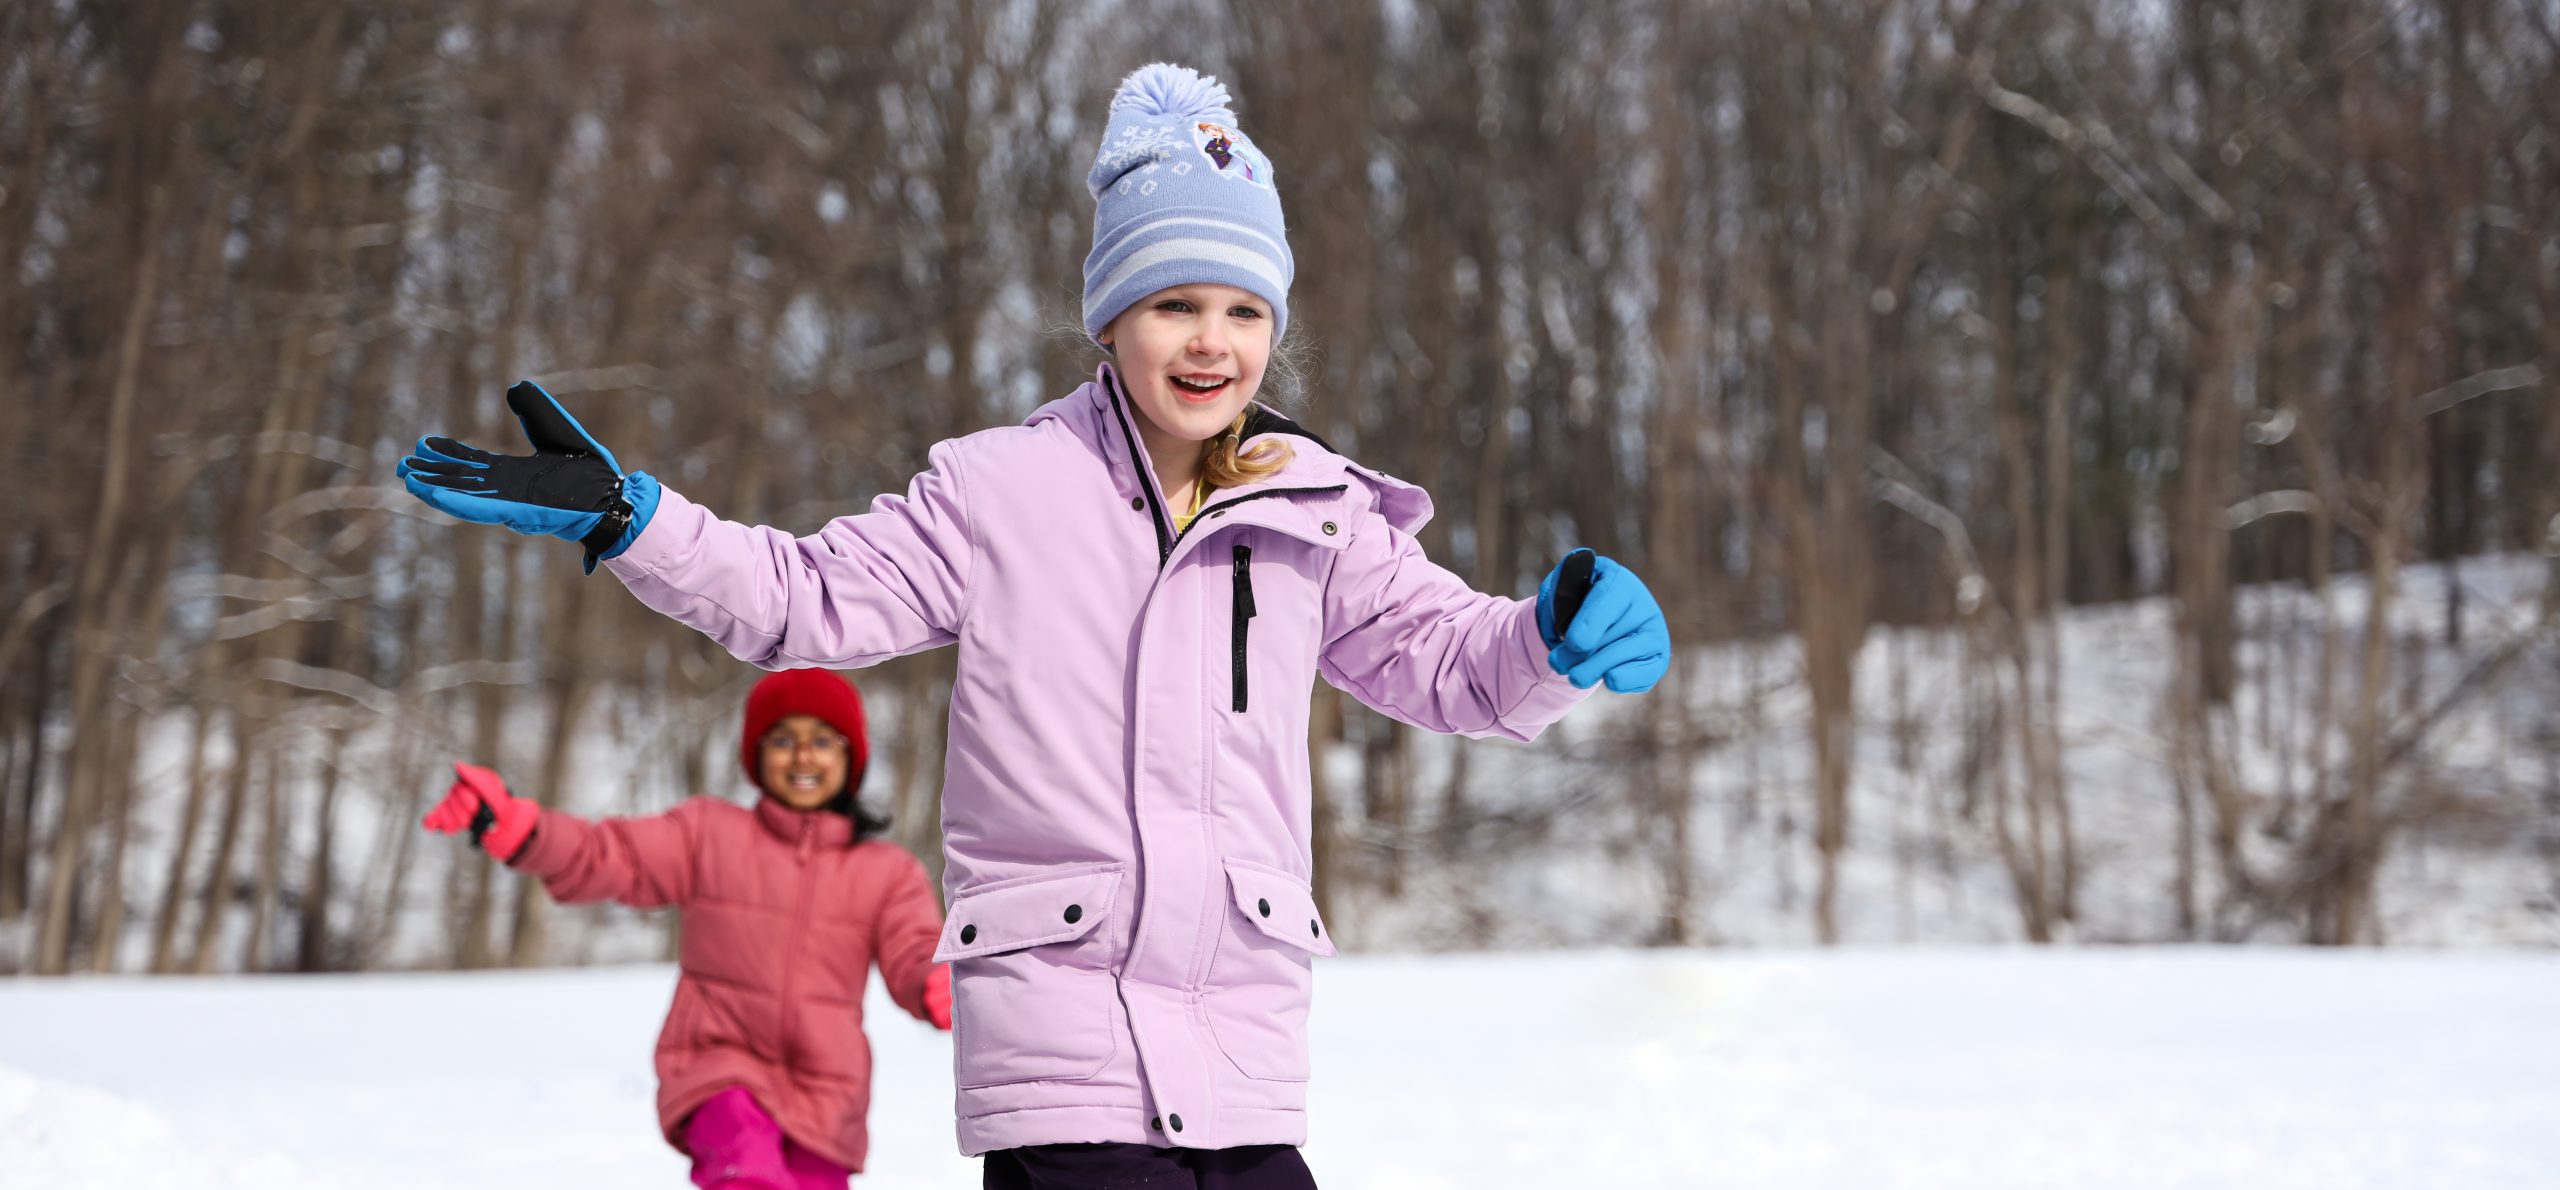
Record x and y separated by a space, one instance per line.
2083 1067
1917 870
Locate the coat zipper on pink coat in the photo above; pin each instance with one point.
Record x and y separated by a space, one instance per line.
791 952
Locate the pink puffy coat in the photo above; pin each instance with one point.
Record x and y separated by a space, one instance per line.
1126 798
782 922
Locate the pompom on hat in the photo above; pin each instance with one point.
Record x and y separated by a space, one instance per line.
1181 197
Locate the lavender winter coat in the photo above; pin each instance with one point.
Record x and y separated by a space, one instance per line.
1126 800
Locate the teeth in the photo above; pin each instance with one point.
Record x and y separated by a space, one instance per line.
1199 386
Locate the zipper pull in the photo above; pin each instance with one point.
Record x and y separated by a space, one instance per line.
1244 581
808 837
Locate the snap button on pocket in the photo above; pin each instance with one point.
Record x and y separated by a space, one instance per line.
968 934
1315 929
1137 504
1177 1122
1328 528
1264 905
1075 913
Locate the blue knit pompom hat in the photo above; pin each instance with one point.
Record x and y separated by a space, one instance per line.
1181 196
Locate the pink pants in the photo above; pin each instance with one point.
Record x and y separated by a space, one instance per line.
736 1146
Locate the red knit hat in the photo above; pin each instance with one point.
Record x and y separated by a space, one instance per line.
818 692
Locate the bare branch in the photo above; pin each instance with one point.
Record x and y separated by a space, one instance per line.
2069 136
2267 504
2480 384
274 615
389 702
1894 483
223 446
239 586
2198 190
2483 676
596 379
31 609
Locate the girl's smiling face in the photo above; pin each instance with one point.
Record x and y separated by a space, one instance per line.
1192 357
803 761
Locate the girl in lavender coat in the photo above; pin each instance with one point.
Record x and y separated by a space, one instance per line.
1144 580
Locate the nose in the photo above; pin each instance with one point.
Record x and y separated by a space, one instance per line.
1210 341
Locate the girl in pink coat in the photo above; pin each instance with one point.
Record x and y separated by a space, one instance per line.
764 1077
1143 581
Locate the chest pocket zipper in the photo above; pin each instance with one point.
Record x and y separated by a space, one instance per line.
1243 617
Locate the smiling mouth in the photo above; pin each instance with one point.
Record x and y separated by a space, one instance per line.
1197 388
803 781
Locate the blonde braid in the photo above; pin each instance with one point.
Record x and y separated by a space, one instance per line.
1224 465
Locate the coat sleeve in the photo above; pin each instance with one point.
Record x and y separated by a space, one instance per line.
1413 641
904 932
641 862
865 588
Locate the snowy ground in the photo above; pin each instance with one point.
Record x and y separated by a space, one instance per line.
1979 1068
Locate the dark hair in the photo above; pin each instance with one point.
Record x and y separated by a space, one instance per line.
866 824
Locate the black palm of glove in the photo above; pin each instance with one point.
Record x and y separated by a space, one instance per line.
570 487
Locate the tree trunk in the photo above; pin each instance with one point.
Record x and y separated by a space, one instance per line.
93 603
248 752
164 924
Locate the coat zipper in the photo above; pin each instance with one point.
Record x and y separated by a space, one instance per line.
1243 615
799 926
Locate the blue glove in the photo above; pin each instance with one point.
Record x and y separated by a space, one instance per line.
570 487
1602 625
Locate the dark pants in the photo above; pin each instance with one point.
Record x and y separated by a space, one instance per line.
1144 1167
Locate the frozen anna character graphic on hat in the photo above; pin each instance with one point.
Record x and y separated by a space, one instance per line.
1232 159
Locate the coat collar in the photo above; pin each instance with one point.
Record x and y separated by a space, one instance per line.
1101 411
795 826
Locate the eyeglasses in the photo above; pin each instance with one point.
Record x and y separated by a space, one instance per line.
823 745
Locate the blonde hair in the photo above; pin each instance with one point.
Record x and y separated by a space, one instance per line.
1225 464
1223 461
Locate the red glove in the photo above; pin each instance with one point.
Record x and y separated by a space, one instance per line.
937 996
499 824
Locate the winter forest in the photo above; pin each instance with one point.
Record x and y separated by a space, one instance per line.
2099 459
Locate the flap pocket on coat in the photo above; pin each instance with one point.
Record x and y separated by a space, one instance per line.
1028 911
1280 905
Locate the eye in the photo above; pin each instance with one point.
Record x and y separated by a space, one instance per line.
824 744
1174 306
1246 312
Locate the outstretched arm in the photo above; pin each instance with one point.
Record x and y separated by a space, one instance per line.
865 588
1413 641
641 862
